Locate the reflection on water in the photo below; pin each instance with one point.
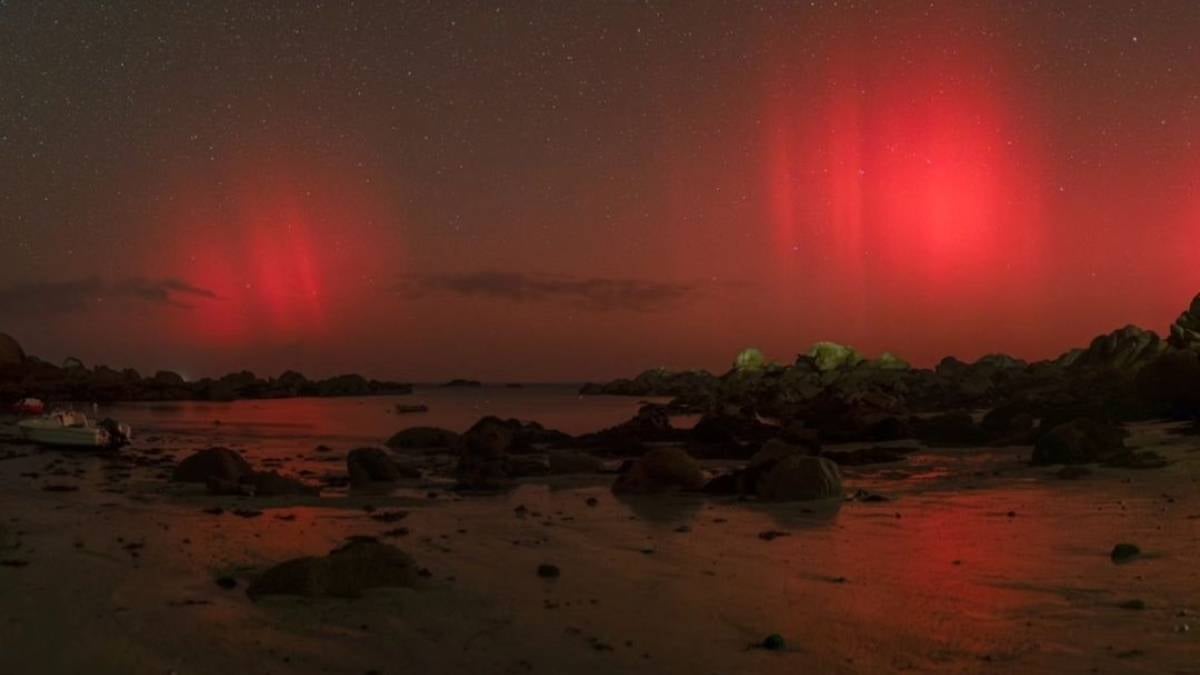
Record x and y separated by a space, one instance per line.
370 420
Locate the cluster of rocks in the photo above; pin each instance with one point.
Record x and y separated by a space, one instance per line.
778 472
225 472
1128 374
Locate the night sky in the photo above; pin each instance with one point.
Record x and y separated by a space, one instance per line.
572 190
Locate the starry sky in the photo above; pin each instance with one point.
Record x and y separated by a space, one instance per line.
581 190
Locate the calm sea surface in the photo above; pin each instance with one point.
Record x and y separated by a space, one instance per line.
371 420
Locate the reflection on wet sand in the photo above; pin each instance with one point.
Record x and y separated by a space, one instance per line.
966 562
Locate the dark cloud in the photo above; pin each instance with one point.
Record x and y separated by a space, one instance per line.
58 297
594 293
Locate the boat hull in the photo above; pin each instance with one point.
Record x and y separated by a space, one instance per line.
67 437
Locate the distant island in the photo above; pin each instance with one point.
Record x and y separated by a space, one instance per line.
22 375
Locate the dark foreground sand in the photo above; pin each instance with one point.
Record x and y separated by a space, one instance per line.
977 564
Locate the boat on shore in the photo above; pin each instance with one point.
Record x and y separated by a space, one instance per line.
74 430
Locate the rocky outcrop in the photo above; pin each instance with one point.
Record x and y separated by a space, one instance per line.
1081 441
491 452
830 356
690 385
345 573
660 470
567 462
799 477
651 424
367 466
212 464
1124 349
1170 385
1185 332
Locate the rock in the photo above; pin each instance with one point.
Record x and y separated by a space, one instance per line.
659 470
11 353
272 484
829 356
548 571
750 359
728 436
212 464
1081 441
563 462
949 429
773 642
1126 348
888 361
423 437
798 478
227 583
1185 332
1123 553
691 385
1170 384
463 383
725 484
345 573
775 450
344 385
371 465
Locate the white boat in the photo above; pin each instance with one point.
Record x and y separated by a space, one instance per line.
72 429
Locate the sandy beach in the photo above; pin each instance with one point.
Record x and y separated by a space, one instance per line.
976 562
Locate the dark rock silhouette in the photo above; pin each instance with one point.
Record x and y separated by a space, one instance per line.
345 573
221 464
1185 332
659 470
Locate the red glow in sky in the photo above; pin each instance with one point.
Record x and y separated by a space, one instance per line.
673 184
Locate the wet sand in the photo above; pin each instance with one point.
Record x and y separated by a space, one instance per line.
977 563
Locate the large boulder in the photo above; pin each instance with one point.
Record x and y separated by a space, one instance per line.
11 353
799 478
566 461
423 438
829 356
1081 441
1127 348
1185 332
219 464
345 573
371 465
1170 384
660 470
487 450
750 359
